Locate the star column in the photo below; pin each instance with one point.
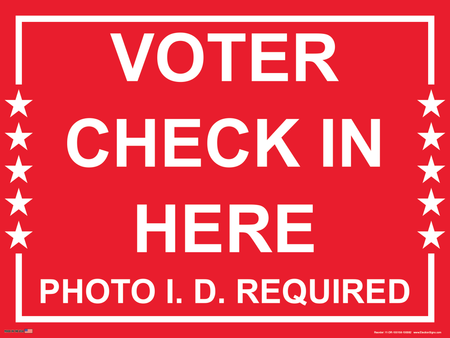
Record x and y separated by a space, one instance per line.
18 171
431 170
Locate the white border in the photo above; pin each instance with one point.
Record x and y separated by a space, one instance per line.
20 19
429 318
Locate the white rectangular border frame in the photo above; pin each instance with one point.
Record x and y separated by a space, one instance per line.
20 19
429 318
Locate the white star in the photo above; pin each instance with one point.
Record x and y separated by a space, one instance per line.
18 104
431 104
18 170
431 236
18 236
18 137
431 137
431 203
431 170
18 203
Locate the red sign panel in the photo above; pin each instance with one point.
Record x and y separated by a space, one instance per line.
224 174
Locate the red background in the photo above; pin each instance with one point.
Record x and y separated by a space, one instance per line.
365 220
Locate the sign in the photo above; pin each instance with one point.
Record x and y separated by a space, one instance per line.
176 172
